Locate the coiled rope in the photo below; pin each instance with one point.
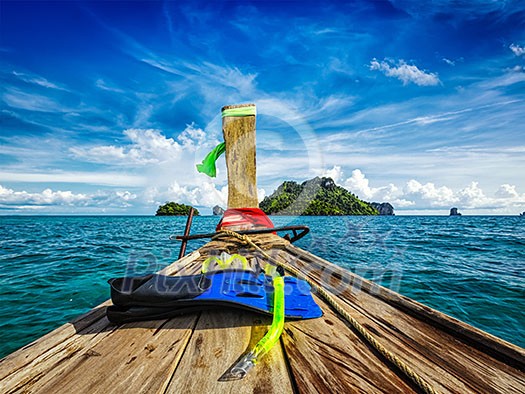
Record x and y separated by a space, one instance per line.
329 298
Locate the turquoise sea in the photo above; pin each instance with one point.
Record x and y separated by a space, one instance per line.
473 268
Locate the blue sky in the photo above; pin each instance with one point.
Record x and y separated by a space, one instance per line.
106 107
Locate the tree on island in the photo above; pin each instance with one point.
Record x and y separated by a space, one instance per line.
316 197
175 209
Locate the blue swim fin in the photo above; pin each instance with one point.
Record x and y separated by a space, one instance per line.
159 297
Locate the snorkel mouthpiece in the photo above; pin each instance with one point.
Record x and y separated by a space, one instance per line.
246 363
243 366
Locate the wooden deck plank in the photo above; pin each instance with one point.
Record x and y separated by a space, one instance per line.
40 367
25 355
445 361
497 347
137 357
451 364
219 340
186 263
325 355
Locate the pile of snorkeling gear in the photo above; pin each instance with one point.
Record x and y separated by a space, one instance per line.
225 281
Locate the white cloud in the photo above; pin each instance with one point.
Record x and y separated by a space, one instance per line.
415 195
429 193
37 80
46 197
507 191
473 197
168 164
103 85
203 73
228 76
336 173
405 72
517 49
148 146
192 137
49 197
401 203
206 193
126 196
426 120
360 185
449 62
101 153
16 98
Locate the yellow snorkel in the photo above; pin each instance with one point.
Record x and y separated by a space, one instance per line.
250 359
246 363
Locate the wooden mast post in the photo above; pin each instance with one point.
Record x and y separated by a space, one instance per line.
239 136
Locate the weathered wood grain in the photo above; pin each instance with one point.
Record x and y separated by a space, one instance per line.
503 350
448 363
325 355
22 357
219 339
187 262
137 358
239 136
43 366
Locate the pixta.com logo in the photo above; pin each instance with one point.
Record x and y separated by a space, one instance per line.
362 247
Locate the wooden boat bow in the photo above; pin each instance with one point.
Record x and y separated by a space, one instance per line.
423 349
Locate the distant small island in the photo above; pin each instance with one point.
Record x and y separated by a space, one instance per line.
454 212
175 209
315 197
218 211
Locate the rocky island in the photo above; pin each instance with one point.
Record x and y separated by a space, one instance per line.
218 211
454 212
315 197
175 209
384 208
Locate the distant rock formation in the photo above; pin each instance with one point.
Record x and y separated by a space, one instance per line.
454 212
218 211
384 208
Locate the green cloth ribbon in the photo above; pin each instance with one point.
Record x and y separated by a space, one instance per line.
208 164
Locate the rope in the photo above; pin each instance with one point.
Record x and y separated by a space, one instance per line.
329 298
